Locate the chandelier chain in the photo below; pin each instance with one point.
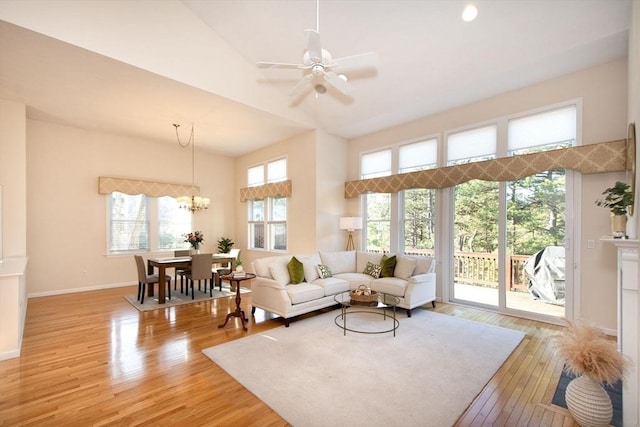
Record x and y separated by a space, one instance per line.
189 141
191 203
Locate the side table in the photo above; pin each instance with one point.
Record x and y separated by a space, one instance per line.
238 312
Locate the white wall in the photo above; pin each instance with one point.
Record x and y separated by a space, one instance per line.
67 217
603 92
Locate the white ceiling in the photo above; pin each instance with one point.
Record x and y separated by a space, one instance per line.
429 61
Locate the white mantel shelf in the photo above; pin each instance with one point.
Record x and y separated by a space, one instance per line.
621 243
628 324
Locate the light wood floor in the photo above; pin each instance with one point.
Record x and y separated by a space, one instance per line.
92 359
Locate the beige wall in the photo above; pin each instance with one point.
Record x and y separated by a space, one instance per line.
67 217
13 179
603 94
317 165
301 206
331 173
163 37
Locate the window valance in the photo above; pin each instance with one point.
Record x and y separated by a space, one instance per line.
260 192
586 159
108 185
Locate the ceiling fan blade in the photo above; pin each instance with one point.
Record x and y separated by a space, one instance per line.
273 65
363 60
338 84
313 46
301 85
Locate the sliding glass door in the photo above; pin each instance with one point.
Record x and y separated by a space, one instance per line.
509 240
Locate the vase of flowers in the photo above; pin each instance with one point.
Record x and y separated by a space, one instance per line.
595 361
195 238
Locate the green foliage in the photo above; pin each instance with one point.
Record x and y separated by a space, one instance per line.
535 214
224 245
378 219
617 199
476 216
419 225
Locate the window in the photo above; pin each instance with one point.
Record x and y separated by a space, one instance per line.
418 205
141 223
377 206
267 219
541 132
129 223
173 224
472 145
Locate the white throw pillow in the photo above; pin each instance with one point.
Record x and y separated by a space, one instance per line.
423 265
340 262
404 267
362 258
310 264
280 272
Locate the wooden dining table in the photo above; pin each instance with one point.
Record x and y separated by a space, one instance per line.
183 262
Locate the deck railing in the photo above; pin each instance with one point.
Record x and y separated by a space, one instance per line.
481 269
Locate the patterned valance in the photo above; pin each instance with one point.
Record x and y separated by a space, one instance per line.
108 185
261 192
586 159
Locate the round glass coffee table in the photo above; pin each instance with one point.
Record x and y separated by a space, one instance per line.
350 308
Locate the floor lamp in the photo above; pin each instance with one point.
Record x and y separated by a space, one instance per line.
350 223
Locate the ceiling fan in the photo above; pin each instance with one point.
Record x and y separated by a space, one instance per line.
323 69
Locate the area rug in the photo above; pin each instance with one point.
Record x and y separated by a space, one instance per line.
614 391
177 298
312 375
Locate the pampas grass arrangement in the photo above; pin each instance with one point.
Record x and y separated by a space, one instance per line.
586 351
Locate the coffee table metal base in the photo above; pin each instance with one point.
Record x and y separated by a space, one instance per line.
341 320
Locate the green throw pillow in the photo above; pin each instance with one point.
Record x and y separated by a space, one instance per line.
372 270
388 266
296 271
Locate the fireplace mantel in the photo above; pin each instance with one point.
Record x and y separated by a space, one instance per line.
628 323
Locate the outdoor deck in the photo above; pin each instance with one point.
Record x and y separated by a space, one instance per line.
515 300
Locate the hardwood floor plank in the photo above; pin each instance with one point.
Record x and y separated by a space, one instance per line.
92 359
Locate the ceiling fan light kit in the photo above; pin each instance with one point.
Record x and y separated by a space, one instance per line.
321 70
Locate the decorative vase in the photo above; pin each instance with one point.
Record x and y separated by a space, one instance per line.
618 226
196 248
239 268
588 403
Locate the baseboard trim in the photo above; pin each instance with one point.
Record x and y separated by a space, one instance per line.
11 354
75 290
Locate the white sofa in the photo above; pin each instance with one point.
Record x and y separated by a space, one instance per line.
413 281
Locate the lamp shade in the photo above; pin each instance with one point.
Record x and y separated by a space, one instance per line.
350 223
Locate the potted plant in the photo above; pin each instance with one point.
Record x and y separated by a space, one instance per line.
594 360
224 245
618 200
239 265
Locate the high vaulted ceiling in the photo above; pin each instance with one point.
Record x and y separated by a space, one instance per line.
429 60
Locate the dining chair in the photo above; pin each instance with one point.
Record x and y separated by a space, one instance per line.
218 272
148 279
182 272
200 270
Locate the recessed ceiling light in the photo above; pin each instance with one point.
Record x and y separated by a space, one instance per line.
469 13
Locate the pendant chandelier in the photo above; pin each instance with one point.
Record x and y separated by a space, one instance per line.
192 202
